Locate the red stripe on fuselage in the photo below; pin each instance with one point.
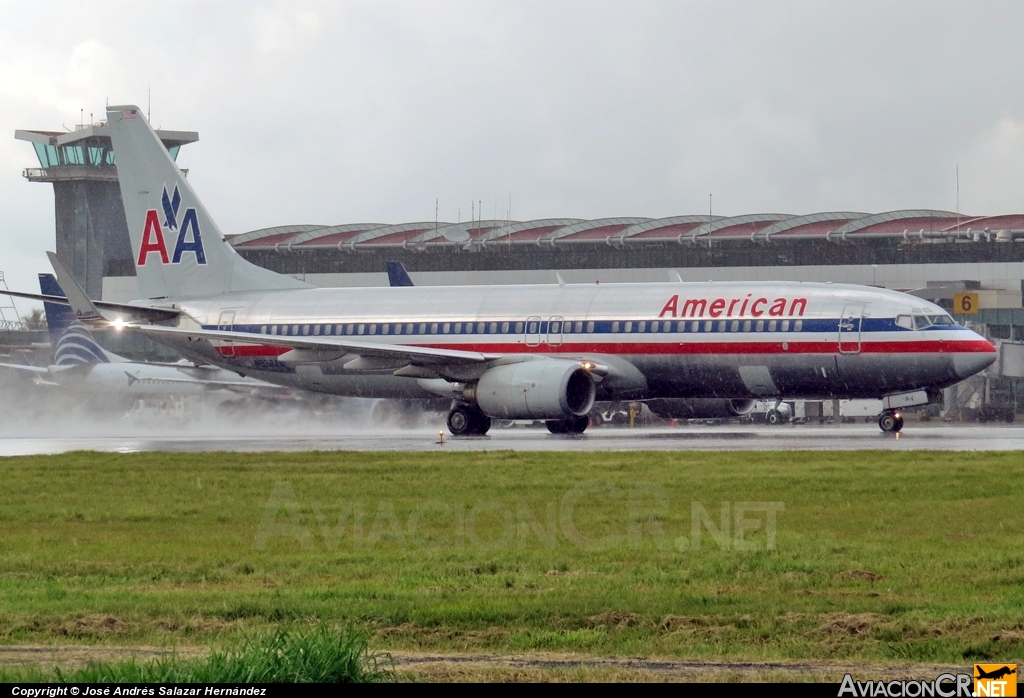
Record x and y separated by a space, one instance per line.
678 348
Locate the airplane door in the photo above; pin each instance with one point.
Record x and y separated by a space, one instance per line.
849 328
226 323
555 332
532 331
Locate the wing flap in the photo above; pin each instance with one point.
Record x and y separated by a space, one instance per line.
315 349
132 312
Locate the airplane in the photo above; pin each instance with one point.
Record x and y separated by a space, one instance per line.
540 352
81 364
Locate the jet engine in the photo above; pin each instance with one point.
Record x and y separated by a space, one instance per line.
699 408
539 389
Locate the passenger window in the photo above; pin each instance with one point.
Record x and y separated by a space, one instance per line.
785 325
361 329
385 329
349 329
654 326
533 327
458 328
408 328
629 325
735 326
707 326
295 330
263 330
771 325
446 328
398 328
590 326
615 326
504 328
798 326
666 326
643 326
760 326
423 328
694 326
494 328
479 328
721 325
305 329
316 329
920 322
337 329
519 327
327 329
273 329
373 329
579 326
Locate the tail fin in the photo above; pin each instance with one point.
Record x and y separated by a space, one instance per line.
179 251
397 275
72 342
58 317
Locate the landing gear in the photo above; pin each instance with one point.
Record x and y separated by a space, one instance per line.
774 417
573 425
468 420
890 421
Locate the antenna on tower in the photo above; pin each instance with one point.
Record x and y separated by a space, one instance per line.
958 198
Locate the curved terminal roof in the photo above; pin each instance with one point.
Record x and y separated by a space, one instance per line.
837 226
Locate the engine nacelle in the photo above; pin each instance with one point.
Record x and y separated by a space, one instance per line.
539 389
699 408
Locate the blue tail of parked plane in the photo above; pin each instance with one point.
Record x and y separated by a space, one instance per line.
397 275
71 340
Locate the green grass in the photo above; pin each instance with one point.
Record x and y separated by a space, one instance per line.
878 555
318 655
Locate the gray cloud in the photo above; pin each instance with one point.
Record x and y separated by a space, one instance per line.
328 113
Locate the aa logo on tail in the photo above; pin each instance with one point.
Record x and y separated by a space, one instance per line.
190 239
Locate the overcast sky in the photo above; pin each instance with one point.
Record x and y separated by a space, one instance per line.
341 112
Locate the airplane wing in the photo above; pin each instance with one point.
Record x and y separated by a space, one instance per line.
26 367
316 349
131 312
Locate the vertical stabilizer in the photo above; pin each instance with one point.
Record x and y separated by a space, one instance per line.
72 342
178 249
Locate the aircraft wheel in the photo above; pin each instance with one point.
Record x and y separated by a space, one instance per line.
466 420
573 425
890 422
774 417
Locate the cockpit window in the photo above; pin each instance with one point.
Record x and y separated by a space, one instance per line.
905 321
921 322
941 320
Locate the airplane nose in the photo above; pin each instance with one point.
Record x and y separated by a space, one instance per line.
977 355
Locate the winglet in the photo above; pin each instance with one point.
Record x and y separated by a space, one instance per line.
398 275
77 298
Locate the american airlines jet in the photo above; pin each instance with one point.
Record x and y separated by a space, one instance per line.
520 352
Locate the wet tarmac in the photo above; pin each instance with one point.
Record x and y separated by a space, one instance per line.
915 436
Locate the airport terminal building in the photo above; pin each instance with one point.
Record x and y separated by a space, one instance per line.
934 254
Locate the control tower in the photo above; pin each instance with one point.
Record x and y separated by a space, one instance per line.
92 233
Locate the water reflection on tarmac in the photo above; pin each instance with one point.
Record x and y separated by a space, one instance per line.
916 436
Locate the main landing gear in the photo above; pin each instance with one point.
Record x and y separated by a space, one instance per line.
468 420
573 425
890 421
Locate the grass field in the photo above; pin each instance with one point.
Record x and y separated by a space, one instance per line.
872 556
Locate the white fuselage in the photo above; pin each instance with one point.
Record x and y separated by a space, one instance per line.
730 340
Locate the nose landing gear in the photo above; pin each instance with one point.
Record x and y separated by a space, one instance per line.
890 421
468 420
